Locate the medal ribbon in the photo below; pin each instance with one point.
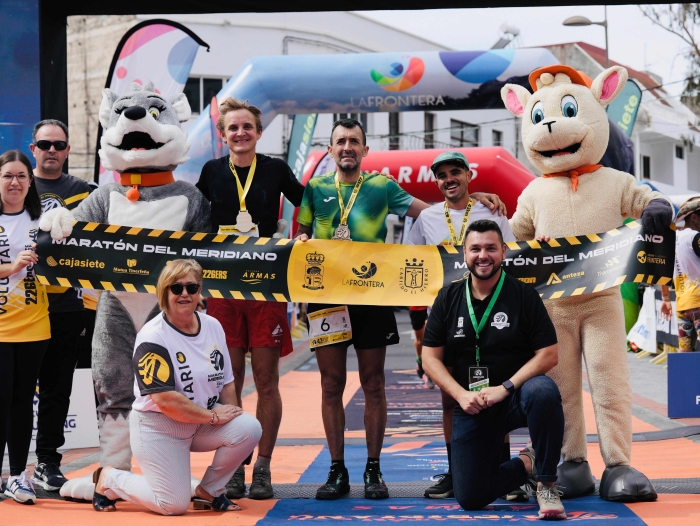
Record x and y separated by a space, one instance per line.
478 327
458 241
345 210
243 192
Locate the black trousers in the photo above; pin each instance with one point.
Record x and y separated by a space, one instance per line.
19 369
56 383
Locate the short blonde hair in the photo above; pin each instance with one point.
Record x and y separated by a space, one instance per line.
232 104
176 269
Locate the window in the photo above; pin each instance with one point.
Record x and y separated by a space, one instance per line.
679 152
497 138
394 131
463 133
199 91
429 127
362 117
646 167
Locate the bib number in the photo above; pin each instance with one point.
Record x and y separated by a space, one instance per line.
329 326
231 229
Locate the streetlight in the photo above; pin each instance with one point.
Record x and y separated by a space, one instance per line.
583 21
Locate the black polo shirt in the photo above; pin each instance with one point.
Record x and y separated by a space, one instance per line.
272 179
518 325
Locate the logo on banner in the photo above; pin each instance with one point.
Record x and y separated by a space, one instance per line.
500 320
413 276
366 271
553 279
615 261
400 78
130 263
153 366
51 261
313 275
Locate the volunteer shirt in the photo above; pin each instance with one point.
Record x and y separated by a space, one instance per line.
166 359
272 178
431 226
518 325
686 274
378 197
24 304
65 192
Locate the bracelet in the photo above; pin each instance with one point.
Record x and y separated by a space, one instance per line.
666 299
214 414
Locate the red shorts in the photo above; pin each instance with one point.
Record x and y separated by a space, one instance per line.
251 323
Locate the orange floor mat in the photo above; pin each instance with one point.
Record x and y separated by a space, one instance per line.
670 510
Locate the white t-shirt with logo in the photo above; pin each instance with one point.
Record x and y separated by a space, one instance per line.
165 359
431 227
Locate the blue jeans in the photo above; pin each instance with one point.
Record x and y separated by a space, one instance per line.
477 441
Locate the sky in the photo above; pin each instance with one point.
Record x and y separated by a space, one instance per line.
632 39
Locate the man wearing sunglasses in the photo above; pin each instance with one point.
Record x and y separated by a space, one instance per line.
66 312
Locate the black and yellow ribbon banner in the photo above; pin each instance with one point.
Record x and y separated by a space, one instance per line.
111 257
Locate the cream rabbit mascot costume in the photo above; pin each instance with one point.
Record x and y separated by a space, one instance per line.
565 133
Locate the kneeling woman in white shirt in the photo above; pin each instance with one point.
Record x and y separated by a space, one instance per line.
185 401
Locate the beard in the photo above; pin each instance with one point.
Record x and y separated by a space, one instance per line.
479 274
348 164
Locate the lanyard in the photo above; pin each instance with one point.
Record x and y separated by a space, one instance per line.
243 192
478 327
458 241
345 211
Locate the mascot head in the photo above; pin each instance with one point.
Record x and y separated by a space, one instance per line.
564 121
142 130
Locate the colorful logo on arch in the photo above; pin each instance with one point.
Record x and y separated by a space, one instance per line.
400 77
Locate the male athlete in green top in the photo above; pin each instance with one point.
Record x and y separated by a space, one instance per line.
351 205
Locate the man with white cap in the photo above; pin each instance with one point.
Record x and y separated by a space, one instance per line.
686 277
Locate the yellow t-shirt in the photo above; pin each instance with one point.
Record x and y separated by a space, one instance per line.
24 304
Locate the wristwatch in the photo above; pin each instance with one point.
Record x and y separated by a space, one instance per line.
508 385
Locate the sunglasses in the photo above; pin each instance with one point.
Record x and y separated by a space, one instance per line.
46 145
177 288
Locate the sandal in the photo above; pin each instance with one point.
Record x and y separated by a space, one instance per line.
220 503
99 501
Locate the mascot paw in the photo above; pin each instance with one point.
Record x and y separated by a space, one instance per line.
58 221
281 227
575 479
78 489
657 216
626 484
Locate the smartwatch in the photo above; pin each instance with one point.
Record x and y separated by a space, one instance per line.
509 386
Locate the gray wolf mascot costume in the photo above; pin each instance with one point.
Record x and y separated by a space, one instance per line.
144 142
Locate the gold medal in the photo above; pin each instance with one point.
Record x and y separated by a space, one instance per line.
342 233
244 221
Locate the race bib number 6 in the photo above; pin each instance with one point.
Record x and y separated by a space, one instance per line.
329 326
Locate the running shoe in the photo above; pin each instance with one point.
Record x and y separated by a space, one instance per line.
443 488
337 485
261 487
529 452
517 495
48 476
21 488
374 485
235 489
551 508
428 382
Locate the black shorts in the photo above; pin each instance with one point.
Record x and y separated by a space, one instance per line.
372 326
418 318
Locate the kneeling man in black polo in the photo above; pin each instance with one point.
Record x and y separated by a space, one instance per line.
488 343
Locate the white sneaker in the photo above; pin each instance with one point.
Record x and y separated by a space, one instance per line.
551 508
21 488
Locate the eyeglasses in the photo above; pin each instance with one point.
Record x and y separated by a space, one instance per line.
46 145
22 178
177 288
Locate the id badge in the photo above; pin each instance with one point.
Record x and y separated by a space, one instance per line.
231 229
478 378
329 326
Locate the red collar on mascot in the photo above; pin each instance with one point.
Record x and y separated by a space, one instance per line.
577 77
146 179
585 169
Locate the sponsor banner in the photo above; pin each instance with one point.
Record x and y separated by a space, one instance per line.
130 259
